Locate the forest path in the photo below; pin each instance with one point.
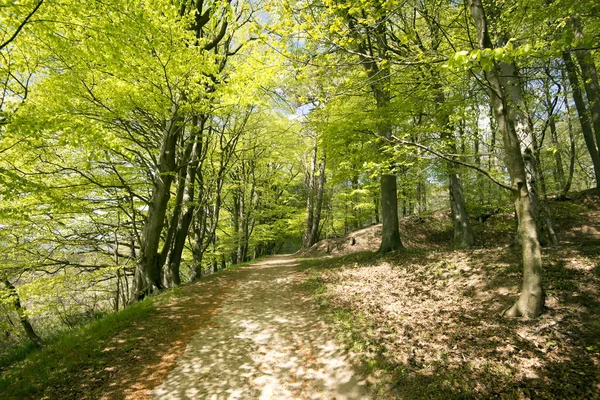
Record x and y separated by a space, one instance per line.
267 341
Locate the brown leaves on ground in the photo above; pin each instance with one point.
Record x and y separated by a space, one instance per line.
433 318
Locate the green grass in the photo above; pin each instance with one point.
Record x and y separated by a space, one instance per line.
78 349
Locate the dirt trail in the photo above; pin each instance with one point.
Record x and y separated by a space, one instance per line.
267 342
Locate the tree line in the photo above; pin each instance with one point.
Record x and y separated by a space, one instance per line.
146 144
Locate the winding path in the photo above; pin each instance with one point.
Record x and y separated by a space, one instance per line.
266 342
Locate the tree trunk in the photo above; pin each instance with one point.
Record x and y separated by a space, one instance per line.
531 301
519 118
463 234
559 172
310 199
22 313
567 186
316 221
149 260
590 79
236 225
186 209
390 234
586 127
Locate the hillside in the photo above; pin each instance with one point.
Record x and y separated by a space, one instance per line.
427 323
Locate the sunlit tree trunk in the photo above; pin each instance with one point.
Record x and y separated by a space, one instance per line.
310 199
531 300
149 259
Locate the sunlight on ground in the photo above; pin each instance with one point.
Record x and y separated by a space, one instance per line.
267 343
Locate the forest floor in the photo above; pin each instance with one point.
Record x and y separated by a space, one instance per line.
343 323
248 333
426 322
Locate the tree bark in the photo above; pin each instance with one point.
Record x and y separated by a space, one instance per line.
521 121
590 79
22 313
371 48
390 234
186 209
463 234
584 121
149 260
310 199
316 222
567 186
559 171
531 300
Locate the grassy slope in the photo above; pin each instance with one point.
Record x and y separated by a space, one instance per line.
427 323
123 354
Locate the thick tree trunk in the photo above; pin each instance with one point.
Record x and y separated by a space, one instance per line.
463 235
520 119
531 301
22 313
390 235
390 232
586 127
149 260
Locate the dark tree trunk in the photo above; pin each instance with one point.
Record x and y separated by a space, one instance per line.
316 222
390 235
586 127
22 313
567 186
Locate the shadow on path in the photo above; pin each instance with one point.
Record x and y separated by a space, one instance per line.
267 342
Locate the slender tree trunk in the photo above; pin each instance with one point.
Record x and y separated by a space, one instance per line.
567 186
22 313
355 199
241 254
586 127
236 225
186 209
314 232
559 172
590 79
376 209
310 199
463 234
531 301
